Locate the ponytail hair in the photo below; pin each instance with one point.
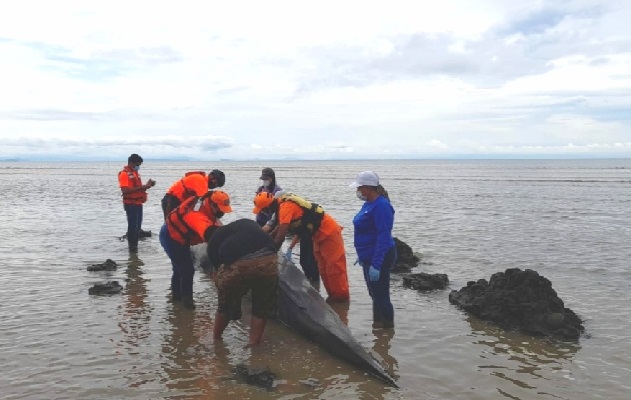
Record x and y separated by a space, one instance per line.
383 192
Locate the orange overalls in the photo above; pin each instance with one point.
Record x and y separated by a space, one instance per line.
328 249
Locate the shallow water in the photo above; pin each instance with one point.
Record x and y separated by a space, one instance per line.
569 220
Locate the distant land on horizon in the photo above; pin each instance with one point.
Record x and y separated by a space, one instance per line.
64 158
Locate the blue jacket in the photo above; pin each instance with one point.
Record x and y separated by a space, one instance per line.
373 231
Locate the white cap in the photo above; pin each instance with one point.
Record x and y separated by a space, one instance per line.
366 178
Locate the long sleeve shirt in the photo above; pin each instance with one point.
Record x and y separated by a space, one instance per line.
373 231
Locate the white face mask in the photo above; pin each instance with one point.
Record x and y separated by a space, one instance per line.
360 196
266 182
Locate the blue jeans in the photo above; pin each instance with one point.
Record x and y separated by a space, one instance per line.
182 263
134 223
379 290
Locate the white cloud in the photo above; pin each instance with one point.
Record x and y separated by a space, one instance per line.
337 79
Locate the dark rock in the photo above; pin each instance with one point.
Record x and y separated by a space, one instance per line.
521 300
106 288
261 377
108 265
424 281
406 260
143 234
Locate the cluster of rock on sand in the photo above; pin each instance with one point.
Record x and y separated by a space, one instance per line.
514 299
105 288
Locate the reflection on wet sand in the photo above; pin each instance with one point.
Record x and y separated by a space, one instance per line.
136 310
527 358
189 366
136 316
382 346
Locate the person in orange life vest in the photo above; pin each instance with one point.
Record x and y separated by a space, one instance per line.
191 223
194 183
328 244
134 195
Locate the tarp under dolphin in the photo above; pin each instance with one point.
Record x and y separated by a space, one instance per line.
302 309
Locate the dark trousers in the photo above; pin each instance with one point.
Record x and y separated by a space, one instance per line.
380 290
182 263
307 259
134 223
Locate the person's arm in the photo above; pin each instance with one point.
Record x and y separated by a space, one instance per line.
383 224
279 235
271 224
142 188
294 240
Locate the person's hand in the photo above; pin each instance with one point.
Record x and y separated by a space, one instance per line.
373 274
288 254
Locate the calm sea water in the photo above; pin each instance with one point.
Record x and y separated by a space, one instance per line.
569 220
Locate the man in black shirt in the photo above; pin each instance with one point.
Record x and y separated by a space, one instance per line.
245 258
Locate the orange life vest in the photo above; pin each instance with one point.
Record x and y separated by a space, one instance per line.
202 173
133 178
187 224
181 191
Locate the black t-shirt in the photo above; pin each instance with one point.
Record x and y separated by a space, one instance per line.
236 240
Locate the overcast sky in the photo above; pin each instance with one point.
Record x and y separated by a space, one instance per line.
315 80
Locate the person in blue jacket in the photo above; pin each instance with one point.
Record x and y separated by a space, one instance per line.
374 244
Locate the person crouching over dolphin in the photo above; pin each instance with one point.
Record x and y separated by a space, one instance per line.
301 217
245 259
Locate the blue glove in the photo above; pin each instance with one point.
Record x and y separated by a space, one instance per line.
288 254
373 274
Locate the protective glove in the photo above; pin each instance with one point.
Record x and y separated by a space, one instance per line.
288 254
373 274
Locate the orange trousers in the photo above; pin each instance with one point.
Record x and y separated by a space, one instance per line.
330 254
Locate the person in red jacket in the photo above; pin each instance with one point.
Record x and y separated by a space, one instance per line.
191 223
134 196
190 185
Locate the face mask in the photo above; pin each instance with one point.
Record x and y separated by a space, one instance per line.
136 167
360 196
266 182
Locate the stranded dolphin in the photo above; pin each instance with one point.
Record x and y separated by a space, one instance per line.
301 308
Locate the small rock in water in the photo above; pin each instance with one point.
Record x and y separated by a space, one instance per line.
423 281
141 235
111 287
406 259
261 377
108 265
